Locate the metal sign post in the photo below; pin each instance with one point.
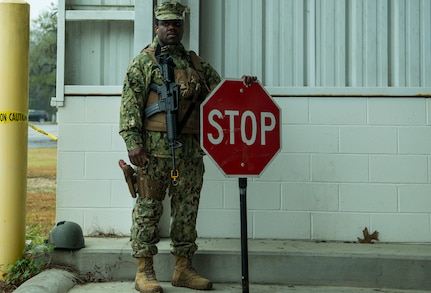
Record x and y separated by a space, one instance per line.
244 237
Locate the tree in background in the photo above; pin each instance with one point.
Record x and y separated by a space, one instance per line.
43 60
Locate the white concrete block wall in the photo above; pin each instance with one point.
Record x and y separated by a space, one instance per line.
90 189
345 164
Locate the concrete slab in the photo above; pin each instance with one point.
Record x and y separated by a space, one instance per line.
284 262
126 287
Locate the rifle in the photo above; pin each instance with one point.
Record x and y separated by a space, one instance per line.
168 103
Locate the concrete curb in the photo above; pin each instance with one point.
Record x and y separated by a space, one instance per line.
49 281
283 262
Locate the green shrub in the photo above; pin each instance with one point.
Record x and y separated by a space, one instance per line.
32 261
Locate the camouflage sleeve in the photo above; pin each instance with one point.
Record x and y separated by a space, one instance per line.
133 99
211 75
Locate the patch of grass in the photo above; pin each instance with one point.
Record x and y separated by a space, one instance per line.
41 210
42 163
41 188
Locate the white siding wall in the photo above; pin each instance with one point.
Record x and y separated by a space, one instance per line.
316 43
346 162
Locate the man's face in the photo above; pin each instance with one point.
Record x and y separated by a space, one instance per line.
170 32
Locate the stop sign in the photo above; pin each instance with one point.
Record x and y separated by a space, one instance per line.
240 128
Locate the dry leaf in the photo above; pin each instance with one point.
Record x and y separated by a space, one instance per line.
368 238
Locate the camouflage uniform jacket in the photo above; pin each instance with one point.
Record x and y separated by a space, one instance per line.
141 73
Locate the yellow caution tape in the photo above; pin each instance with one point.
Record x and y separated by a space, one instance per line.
43 132
10 116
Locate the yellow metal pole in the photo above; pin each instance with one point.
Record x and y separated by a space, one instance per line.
14 59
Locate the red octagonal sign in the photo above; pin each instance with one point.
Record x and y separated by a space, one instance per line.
240 128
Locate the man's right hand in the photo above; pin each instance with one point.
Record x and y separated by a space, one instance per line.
138 157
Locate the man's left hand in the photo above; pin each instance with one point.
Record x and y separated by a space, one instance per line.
248 79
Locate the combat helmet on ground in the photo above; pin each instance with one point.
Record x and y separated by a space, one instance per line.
67 235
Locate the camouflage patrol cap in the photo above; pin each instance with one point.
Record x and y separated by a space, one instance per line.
169 11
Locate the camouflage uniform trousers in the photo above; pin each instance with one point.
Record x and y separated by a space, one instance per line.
184 207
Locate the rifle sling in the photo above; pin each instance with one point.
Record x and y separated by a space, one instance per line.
187 115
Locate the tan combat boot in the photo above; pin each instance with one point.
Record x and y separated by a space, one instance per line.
145 281
186 276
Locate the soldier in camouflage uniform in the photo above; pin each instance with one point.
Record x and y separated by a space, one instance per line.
148 149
